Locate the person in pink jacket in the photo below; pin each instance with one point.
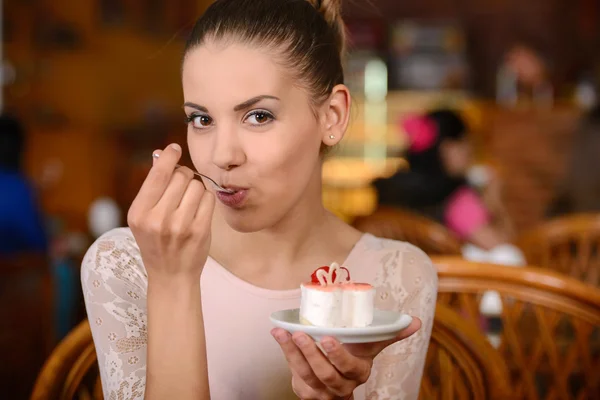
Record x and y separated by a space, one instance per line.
436 184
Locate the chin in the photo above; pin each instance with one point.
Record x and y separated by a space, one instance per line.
249 220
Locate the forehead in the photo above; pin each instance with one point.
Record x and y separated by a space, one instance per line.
233 71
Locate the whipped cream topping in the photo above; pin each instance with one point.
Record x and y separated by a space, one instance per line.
326 277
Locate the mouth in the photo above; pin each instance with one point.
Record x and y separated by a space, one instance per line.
234 199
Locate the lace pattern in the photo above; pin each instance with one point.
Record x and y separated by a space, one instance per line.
406 281
114 285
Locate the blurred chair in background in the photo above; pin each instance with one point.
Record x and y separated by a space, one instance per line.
398 224
71 372
26 333
548 325
460 363
579 190
569 245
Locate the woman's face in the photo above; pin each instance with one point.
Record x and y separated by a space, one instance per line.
457 156
252 130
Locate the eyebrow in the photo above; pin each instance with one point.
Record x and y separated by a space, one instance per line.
241 106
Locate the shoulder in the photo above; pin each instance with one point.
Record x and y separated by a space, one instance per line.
396 260
375 247
115 255
404 277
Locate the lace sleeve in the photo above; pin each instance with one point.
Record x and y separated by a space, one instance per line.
406 282
114 284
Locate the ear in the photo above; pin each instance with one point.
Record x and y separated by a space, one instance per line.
335 115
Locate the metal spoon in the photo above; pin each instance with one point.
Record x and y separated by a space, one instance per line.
215 184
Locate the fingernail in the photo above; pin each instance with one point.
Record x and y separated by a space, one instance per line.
300 340
155 155
328 345
176 147
281 337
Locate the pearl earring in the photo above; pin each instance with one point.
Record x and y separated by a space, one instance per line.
331 136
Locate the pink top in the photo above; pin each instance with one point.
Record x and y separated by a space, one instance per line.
250 366
465 213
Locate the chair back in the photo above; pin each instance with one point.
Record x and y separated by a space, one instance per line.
460 363
397 224
71 372
570 245
545 325
26 315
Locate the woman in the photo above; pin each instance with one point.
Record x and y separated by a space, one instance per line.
436 185
179 304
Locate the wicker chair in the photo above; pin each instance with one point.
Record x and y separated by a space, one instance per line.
549 334
26 315
397 224
71 372
570 245
461 364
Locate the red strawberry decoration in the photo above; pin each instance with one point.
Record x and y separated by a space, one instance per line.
314 279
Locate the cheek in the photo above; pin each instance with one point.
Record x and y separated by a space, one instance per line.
467 155
284 159
199 152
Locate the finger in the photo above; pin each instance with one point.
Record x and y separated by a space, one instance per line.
159 177
190 202
321 366
173 194
351 367
204 213
372 349
155 156
410 330
302 390
295 359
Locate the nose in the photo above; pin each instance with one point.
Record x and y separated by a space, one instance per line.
227 151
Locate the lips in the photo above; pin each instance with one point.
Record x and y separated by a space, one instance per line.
235 199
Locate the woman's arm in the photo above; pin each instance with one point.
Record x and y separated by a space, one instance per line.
494 201
487 237
149 279
114 287
171 220
410 286
149 338
177 367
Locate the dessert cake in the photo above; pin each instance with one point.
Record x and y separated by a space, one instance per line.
331 299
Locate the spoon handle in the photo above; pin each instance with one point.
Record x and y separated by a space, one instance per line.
198 174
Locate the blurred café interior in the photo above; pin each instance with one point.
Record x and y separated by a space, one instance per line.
93 86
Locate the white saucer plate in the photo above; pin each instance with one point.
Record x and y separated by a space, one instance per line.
386 325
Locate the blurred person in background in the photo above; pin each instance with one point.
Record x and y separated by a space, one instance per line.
579 191
528 66
21 223
436 185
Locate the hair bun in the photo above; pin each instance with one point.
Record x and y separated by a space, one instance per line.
331 10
